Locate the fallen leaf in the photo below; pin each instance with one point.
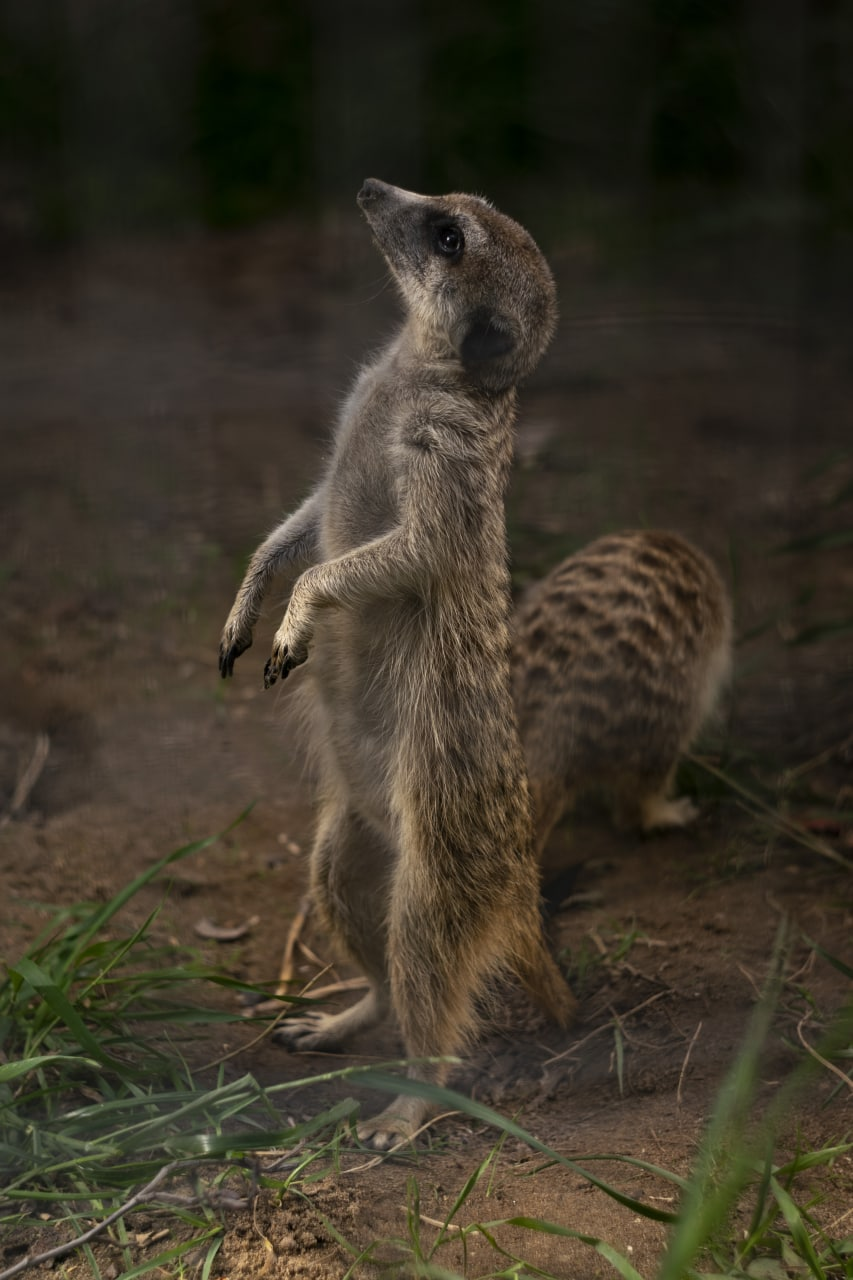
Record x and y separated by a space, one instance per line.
223 933
821 826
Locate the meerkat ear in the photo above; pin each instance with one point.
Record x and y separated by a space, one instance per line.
488 337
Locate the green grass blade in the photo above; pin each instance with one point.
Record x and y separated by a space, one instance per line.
469 1185
177 1251
666 1174
12 1070
28 971
797 1228
457 1102
811 1159
210 1257
616 1259
758 1223
102 915
219 1146
724 1163
835 961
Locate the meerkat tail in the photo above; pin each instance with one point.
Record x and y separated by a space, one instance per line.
540 974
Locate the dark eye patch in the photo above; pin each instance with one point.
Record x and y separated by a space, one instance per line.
488 337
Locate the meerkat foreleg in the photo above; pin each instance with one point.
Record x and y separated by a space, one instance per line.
660 811
378 568
293 543
648 803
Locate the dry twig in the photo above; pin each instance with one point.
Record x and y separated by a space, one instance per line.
28 779
60 1250
684 1065
830 1066
288 961
604 1027
755 806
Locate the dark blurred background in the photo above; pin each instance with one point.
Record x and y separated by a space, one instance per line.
122 114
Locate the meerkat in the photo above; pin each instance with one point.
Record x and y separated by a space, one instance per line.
423 864
619 657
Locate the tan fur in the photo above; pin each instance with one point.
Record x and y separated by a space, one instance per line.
423 864
619 656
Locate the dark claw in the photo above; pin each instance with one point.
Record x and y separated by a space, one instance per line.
282 668
227 658
275 669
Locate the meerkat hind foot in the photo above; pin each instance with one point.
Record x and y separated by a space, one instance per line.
316 1030
398 1123
657 813
309 1031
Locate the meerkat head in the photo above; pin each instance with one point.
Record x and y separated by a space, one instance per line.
474 281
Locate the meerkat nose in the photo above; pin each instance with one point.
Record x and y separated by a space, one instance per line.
371 190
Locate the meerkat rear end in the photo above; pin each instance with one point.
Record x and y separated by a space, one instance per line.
619 656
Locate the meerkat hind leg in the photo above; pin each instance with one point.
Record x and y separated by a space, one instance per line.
436 976
348 868
427 1032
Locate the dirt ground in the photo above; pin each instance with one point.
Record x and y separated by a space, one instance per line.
163 403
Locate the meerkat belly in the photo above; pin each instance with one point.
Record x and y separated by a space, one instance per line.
413 698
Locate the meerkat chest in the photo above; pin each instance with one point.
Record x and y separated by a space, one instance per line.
362 487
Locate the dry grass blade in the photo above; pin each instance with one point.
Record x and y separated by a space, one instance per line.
28 778
684 1065
842 1076
288 962
573 1048
754 804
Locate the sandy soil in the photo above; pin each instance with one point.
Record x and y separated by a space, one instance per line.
162 405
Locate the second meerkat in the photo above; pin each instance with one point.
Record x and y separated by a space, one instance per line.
619 656
423 863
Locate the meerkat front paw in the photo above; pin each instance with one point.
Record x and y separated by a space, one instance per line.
281 664
286 654
236 639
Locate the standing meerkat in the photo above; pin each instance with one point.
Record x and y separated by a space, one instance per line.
619 656
423 864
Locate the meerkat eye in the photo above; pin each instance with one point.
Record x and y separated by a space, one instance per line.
449 240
